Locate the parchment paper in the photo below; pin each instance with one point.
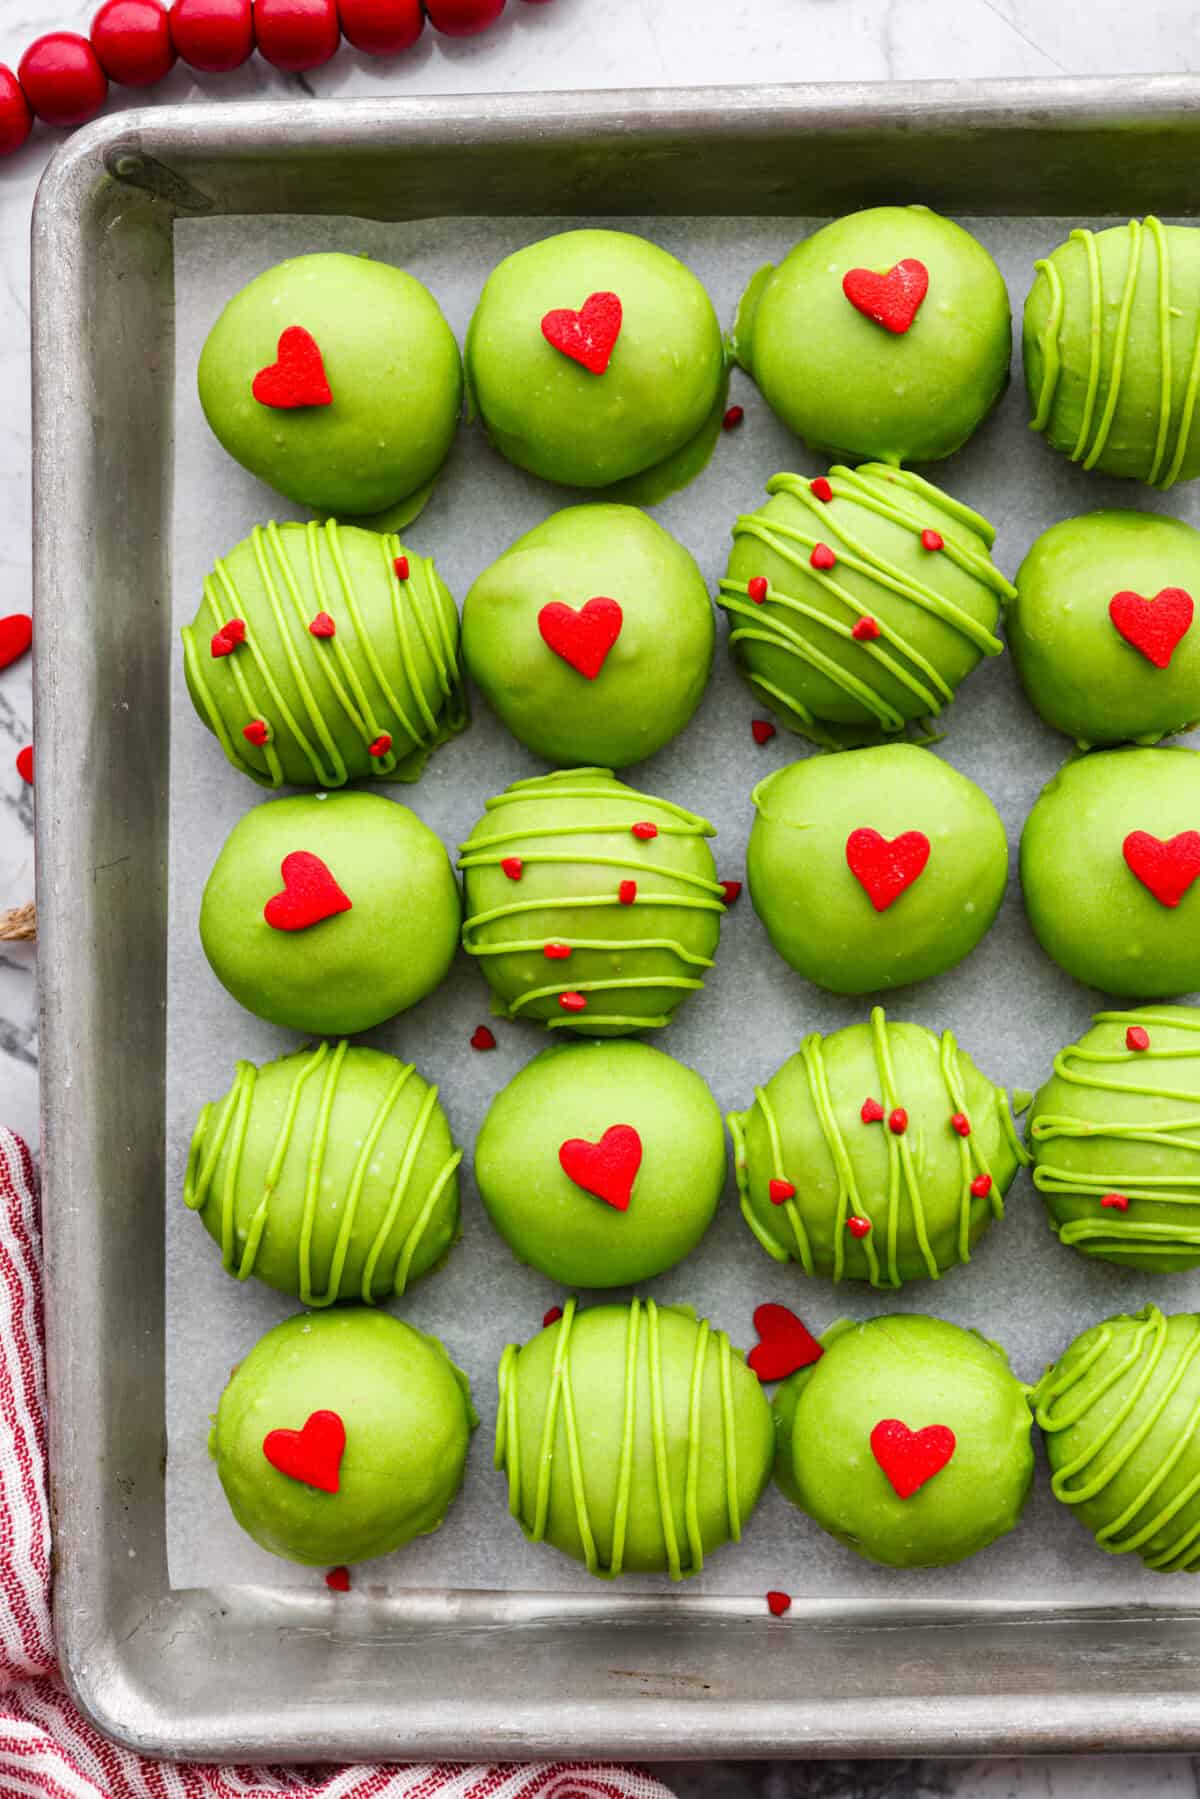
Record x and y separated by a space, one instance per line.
1009 1005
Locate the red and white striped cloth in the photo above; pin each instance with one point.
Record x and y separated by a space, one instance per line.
46 1747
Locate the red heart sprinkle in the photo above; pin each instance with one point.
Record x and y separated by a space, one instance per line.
757 587
312 1455
227 639
572 1002
872 1111
309 895
778 1603
898 1121
733 417
821 489
627 892
822 556
981 1186
512 866
401 567
865 629
1166 868
296 377
323 626
885 868
1117 1201
584 638
644 832
606 1170
589 335
1137 1038
731 890
858 1227
932 540
16 635
556 952
784 1344
482 1038
256 731
911 1457
25 763
892 300
381 745
1156 626
762 730
551 1317
338 1580
961 1123
780 1192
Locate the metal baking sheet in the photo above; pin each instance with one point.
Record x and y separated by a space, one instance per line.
177 1633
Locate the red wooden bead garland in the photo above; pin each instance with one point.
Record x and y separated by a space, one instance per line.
462 18
213 36
16 119
295 35
62 78
381 27
132 40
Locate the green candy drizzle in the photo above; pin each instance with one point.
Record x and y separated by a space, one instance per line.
228 1121
682 1559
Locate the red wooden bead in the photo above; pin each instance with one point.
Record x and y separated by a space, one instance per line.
16 120
296 34
213 35
381 27
62 78
133 41
463 18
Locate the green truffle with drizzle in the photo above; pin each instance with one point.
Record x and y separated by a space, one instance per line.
859 602
879 1154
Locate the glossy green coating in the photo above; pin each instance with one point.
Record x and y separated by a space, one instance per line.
329 1174
389 670
818 914
634 1438
550 415
408 1419
351 970
654 675
1112 350
1120 1412
843 382
929 614
1087 908
916 1190
393 369
579 1091
1077 669
921 1371
1119 1119
638 910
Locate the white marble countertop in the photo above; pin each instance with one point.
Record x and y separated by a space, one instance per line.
596 44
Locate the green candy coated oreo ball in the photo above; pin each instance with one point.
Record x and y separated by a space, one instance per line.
286 944
586 426
391 367
1112 350
590 906
911 1375
876 868
634 1438
592 637
1119 1413
601 1164
877 1154
912 390
1115 1148
329 1174
407 1416
344 662
858 602
1109 859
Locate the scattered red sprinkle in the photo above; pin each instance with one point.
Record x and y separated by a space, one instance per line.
757 588
607 1169
886 867
572 1002
16 631
588 336
981 1186
644 832
785 1344
338 1580
401 567
932 540
512 866
227 639
551 1317
62 79
821 489
865 629
781 1192
16 119
323 626
898 1121
1156 627
381 27
25 763
556 952
872 1111
823 557
1165 867
256 731
733 417
133 41
911 1457
858 1227
214 36
381 745
961 1123
1117 1202
1136 1037
627 892
731 890
762 730
296 34
482 1038
778 1603
310 894
890 300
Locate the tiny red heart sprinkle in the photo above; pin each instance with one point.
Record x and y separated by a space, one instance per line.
338 1580
1157 626
1166 868
784 1345
886 867
911 1457
381 745
582 639
644 831
892 300
606 1170
296 377
256 731
898 1121
310 894
512 866
932 540
482 1038
627 892
821 489
323 626
1137 1038
822 556
757 588
556 952
227 639
961 1123
401 567
731 890
16 635
858 1227
572 1002
25 763
981 1186
312 1455
551 1317
780 1192
872 1112
778 1603
1116 1201
588 336
762 730
733 417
